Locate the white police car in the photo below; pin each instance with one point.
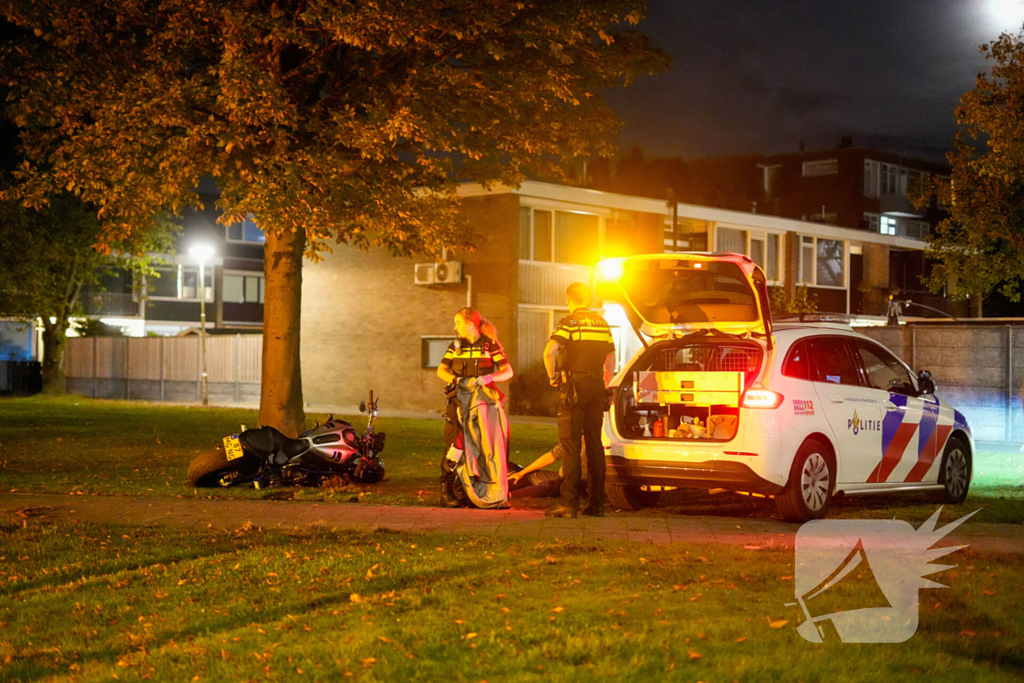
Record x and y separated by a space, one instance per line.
718 398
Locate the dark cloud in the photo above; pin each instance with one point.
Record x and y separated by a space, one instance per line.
760 76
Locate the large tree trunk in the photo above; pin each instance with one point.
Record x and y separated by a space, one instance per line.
55 340
281 391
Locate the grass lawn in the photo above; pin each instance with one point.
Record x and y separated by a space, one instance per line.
84 602
76 444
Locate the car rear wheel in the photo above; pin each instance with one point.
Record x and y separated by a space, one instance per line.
808 493
630 497
955 473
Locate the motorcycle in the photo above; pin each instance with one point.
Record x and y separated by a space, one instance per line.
266 458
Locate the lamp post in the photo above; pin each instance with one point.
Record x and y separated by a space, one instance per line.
202 252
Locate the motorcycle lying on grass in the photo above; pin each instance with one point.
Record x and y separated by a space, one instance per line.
266 458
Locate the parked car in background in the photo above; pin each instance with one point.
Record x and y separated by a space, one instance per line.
720 398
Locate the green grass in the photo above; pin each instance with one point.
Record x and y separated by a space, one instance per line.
75 444
90 603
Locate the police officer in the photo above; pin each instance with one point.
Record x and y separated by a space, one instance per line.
475 353
579 358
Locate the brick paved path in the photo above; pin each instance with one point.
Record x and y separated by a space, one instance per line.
231 514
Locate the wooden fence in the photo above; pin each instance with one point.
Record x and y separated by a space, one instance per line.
165 368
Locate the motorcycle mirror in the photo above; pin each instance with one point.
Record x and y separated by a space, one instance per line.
362 406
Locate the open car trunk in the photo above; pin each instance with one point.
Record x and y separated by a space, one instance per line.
687 389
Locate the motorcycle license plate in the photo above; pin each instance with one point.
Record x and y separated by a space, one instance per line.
232 447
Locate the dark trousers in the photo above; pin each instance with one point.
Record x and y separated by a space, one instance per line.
581 417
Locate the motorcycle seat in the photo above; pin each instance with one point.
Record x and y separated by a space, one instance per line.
266 441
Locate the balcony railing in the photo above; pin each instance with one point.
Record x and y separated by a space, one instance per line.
544 284
110 304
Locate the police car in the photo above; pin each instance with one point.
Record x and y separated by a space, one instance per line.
719 398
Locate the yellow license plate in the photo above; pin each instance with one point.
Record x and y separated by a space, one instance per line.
232 447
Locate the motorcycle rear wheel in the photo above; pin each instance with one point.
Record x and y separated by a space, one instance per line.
207 469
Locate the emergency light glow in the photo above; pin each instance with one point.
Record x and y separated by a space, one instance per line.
611 270
698 264
762 399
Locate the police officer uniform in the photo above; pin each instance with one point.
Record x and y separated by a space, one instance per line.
464 358
468 359
586 340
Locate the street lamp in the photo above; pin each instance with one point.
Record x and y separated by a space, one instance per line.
202 253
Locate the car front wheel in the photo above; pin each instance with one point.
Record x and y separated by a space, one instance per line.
809 491
955 475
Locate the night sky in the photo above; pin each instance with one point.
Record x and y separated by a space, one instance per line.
762 76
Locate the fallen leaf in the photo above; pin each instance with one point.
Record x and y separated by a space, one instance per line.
386 640
524 576
695 655
704 559
751 547
740 639
469 636
965 632
778 624
550 559
368 662
989 593
355 597
558 609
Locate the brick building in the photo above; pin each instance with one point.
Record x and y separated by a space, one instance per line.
371 321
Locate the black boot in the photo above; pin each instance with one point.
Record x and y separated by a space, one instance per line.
448 499
564 509
594 510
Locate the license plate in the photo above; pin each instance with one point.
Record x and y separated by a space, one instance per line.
232 447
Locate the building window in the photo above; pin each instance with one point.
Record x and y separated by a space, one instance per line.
823 167
871 222
241 288
762 248
822 262
246 231
432 350
872 173
179 283
559 236
887 225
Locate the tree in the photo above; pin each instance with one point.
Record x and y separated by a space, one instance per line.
48 255
980 246
327 120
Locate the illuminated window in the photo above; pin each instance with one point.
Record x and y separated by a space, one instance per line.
887 225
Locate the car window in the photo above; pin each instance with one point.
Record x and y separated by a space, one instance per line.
797 364
831 361
881 366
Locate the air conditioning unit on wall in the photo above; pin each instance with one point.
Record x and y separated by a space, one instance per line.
423 274
444 273
448 272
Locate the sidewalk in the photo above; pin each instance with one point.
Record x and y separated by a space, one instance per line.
20 508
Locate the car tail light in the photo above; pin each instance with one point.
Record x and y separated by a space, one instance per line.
762 398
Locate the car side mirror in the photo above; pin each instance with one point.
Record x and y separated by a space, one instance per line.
362 406
925 383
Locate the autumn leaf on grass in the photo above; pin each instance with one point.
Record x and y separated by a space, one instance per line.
354 597
695 655
778 624
368 662
558 609
369 572
740 639
469 636
386 640
550 559
524 576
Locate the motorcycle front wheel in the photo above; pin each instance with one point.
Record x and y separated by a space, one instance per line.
209 468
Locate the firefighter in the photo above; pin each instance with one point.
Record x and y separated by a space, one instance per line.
475 354
579 358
